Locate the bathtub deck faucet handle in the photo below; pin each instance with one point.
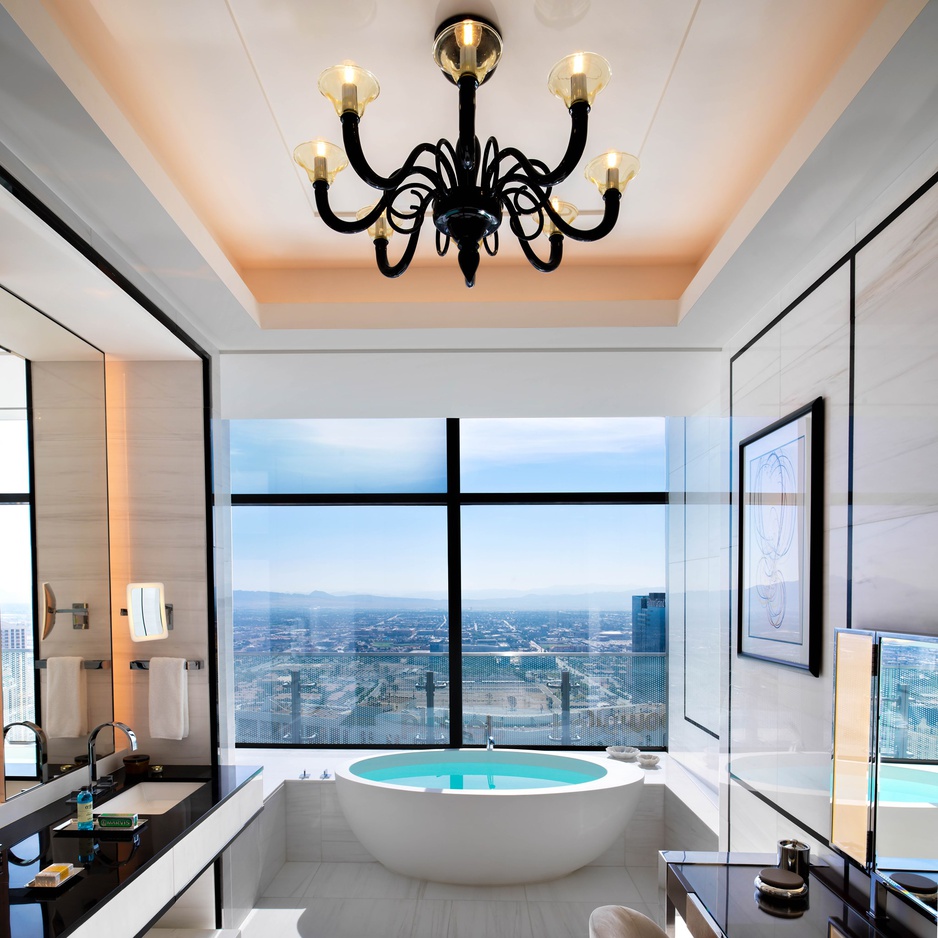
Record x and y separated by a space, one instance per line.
490 745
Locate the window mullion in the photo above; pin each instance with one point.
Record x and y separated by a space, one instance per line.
454 557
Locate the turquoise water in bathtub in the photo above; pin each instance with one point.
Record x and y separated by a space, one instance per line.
897 783
906 784
479 776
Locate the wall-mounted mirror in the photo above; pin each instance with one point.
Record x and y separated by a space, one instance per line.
884 794
54 532
854 690
906 804
146 607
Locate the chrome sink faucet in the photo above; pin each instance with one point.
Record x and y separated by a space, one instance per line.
42 744
91 740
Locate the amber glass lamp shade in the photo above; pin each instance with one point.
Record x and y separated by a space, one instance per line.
579 77
567 213
349 88
320 159
467 47
381 228
612 170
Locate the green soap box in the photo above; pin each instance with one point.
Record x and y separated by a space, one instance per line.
117 820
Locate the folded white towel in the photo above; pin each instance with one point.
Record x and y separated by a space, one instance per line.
169 698
66 712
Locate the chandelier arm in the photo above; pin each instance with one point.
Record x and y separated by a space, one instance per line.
321 189
556 254
556 242
446 163
396 217
490 163
381 253
612 199
356 157
512 201
517 171
579 119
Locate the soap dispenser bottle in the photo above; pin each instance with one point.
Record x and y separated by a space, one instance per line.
85 810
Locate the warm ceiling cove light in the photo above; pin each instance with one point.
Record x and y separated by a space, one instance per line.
467 188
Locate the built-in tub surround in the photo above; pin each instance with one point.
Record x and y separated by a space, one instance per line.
489 836
130 879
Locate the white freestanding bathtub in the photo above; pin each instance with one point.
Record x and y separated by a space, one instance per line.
488 836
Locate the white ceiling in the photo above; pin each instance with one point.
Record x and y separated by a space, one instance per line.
197 105
207 99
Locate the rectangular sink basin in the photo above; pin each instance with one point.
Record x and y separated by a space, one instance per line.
148 798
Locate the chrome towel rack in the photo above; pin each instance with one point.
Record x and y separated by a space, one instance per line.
192 664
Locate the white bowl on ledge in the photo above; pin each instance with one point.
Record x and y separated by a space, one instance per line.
623 753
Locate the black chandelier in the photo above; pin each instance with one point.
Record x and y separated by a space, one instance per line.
468 189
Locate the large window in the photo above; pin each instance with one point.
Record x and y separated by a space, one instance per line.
428 582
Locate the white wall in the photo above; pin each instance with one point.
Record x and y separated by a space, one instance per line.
561 383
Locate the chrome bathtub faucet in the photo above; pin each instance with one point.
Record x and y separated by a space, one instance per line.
490 745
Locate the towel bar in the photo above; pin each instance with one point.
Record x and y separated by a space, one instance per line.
191 665
88 665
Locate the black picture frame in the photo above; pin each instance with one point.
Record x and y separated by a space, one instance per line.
781 525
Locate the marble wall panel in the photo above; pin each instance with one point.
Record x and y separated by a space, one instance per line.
70 456
895 548
158 510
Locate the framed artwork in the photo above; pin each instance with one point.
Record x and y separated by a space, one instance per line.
781 486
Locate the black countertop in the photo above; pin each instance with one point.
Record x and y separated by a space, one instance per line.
725 884
109 861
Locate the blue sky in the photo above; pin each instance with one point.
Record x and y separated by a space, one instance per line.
408 455
401 550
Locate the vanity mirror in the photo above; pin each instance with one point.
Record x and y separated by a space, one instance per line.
150 616
54 536
884 804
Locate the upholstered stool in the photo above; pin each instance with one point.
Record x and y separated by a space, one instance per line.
616 921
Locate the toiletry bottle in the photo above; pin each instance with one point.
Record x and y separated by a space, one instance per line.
85 808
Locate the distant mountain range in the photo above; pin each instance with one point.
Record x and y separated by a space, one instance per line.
607 601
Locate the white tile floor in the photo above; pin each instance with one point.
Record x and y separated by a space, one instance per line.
365 900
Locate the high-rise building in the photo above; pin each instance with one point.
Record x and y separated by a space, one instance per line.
649 621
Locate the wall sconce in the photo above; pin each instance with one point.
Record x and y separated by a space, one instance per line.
78 612
150 617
